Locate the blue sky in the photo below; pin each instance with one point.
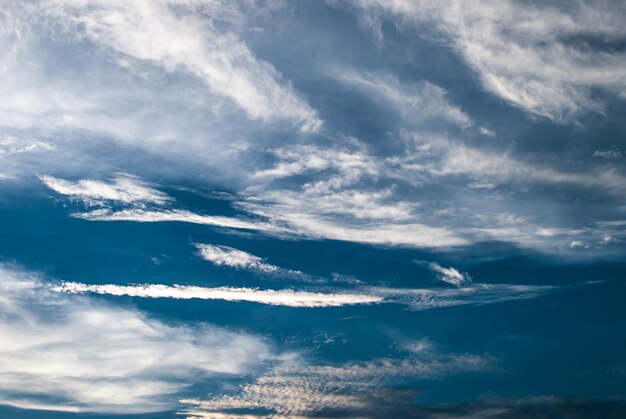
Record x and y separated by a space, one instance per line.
368 208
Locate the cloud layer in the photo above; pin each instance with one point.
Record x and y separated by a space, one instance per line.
326 390
71 353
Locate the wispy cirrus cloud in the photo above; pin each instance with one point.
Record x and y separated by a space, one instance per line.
75 354
286 297
293 390
416 102
414 298
238 259
450 275
536 57
123 188
165 215
168 33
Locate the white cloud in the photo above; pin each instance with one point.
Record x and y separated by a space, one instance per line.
416 102
294 390
238 259
72 353
416 299
476 294
10 146
437 157
535 56
124 188
153 216
287 297
170 34
450 275
609 154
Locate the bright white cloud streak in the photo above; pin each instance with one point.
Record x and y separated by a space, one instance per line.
124 188
289 298
238 259
449 275
73 353
154 216
416 299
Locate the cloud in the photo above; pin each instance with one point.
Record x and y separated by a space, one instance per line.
287 297
449 275
154 216
399 402
417 102
10 146
475 294
238 259
440 157
415 298
537 57
124 188
72 353
293 390
170 34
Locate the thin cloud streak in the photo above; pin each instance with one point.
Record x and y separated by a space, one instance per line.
288 298
415 299
123 188
154 216
238 259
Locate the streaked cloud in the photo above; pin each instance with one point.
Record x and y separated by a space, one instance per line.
154 216
75 354
415 298
475 294
537 58
416 102
238 259
169 34
293 390
450 275
286 297
123 188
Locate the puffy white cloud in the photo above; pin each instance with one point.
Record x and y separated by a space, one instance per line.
72 353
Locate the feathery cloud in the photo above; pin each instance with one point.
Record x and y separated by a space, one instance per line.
449 275
73 353
293 390
287 297
168 33
415 298
124 188
536 57
238 259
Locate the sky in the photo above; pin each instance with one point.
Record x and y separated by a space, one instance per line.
312 209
